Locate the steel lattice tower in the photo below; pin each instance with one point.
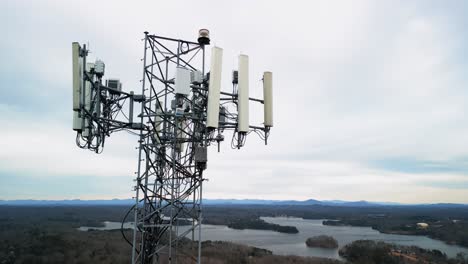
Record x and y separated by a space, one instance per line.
175 124
169 181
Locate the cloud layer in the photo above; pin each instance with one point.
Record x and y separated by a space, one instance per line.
370 97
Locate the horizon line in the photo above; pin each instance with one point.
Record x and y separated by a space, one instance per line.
333 201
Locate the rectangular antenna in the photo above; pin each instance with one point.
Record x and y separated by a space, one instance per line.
158 120
181 126
87 100
182 81
214 88
77 64
76 121
243 97
268 99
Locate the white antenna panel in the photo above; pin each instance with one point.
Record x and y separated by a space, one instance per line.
243 97
87 99
77 65
182 81
158 120
181 126
196 77
88 84
76 121
99 67
214 89
268 99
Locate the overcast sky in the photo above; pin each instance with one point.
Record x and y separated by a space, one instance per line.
370 96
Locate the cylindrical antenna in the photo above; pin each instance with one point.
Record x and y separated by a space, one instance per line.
214 87
268 99
243 94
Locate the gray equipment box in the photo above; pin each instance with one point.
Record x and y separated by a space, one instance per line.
201 154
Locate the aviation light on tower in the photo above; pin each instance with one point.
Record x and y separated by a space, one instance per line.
204 36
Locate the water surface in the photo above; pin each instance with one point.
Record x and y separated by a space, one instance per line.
294 244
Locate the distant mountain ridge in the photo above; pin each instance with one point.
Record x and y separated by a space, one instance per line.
78 202
67 202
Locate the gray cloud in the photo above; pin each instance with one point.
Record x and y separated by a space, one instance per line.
358 85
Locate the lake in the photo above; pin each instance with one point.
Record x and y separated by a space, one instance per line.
107 226
294 244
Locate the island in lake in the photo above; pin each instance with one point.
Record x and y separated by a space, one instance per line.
322 242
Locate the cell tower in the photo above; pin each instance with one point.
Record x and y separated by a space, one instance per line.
180 111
